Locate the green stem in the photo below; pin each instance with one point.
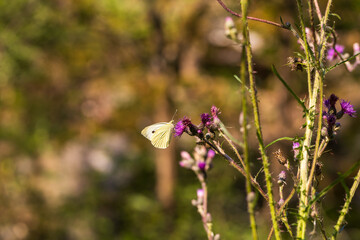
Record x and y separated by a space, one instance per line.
231 161
345 208
250 202
333 184
268 179
310 119
235 151
202 209
302 214
306 46
317 142
318 81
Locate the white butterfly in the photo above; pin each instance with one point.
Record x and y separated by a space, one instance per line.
159 133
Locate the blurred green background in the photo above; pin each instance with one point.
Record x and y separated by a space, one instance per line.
80 79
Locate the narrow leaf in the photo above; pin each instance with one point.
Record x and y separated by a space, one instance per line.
289 89
279 139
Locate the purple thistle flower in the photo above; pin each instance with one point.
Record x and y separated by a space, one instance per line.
181 126
179 129
215 111
332 54
296 145
331 101
206 119
347 108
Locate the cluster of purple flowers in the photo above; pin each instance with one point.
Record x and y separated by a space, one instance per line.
210 122
337 52
333 53
201 162
331 115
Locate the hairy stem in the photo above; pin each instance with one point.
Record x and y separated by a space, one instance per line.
346 206
244 8
250 202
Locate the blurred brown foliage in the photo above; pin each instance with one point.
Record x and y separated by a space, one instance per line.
80 79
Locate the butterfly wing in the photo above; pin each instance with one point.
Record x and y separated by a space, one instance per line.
161 138
159 134
149 131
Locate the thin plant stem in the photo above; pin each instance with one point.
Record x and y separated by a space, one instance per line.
268 179
312 23
317 142
250 201
203 211
250 18
318 12
346 206
282 214
282 207
323 29
287 26
306 46
235 150
341 62
334 183
231 161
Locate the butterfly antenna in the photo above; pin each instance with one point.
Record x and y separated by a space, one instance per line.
174 114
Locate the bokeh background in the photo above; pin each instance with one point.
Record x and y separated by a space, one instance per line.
79 80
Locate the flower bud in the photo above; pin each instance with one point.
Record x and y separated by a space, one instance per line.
186 163
200 152
217 237
251 197
211 154
194 202
296 149
230 29
324 132
201 165
208 218
356 48
200 195
185 155
280 202
282 178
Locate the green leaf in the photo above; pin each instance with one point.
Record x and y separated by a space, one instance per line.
279 139
237 78
339 179
227 133
289 89
335 15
